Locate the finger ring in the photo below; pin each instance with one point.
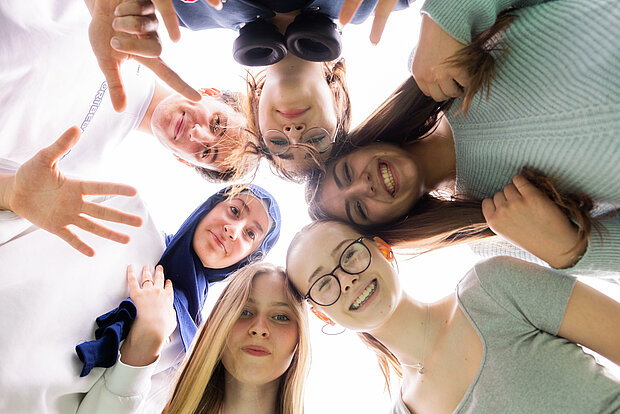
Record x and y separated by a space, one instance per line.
147 280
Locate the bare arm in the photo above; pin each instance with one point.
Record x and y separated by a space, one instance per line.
592 319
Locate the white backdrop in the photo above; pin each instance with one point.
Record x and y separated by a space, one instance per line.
344 376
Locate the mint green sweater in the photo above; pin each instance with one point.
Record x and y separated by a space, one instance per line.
554 106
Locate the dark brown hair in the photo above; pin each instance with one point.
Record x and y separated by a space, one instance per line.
407 116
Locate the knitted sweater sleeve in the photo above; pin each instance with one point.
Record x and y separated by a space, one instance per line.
464 19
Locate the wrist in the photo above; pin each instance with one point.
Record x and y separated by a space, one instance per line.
141 347
7 182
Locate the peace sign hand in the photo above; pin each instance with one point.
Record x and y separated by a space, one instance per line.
40 193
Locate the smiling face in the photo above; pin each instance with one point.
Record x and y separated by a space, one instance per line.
366 299
231 231
294 101
202 133
377 183
260 347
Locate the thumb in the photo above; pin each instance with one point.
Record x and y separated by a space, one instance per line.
61 146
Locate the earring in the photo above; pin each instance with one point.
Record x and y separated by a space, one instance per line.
329 324
384 248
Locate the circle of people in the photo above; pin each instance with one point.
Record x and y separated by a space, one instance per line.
505 135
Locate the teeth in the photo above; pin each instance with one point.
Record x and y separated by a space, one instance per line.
388 178
361 299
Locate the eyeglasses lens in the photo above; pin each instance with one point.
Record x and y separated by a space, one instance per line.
355 259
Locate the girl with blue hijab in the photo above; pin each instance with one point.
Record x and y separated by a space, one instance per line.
49 303
192 273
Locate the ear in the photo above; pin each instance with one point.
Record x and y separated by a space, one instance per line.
182 161
384 248
322 316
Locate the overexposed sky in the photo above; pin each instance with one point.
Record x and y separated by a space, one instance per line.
345 377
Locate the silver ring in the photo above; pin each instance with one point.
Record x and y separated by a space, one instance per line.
147 280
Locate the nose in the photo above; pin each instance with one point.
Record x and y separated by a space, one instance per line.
200 134
347 281
233 230
293 132
259 328
363 186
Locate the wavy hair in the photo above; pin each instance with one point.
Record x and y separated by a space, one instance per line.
200 386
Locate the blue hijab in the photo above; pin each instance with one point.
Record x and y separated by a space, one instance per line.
191 281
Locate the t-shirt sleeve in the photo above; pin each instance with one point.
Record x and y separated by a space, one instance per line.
530 293
465 19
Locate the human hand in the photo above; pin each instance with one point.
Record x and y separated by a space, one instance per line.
156 318
526 217
382 12
132 34
435 77
40 193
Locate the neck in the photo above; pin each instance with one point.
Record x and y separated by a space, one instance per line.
240 398
436 158
282 20
406 333
159 94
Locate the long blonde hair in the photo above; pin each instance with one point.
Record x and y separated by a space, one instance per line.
200 386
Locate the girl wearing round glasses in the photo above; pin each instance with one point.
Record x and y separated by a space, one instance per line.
501 343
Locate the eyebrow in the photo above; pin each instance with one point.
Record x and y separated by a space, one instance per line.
247 207
333 254
215 153
279 304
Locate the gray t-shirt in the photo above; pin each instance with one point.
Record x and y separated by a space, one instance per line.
517 308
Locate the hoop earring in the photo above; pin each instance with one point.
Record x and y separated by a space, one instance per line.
314 37
259 44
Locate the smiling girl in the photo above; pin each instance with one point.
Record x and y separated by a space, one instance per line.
505 341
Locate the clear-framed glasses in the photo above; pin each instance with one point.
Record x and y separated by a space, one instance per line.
325 291
277 143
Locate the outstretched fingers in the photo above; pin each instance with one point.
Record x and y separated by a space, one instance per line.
382 12
166 9
110 214
101 231
104 188
73 240
348 10
169 76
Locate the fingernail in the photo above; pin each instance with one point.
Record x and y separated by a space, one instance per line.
115 43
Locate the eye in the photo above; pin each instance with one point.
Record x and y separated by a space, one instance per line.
206 152
347 173
216 124
360 210
326 282
245 313
235 211
281 318
251 234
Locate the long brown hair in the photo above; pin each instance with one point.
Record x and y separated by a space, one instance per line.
407 116
200 387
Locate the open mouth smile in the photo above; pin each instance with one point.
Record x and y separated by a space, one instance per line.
387 176
364 296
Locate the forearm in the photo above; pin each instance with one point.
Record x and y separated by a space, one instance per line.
140 349
6 189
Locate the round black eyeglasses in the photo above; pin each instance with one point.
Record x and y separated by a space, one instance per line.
355 259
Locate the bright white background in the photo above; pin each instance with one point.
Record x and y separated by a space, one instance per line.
344 376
